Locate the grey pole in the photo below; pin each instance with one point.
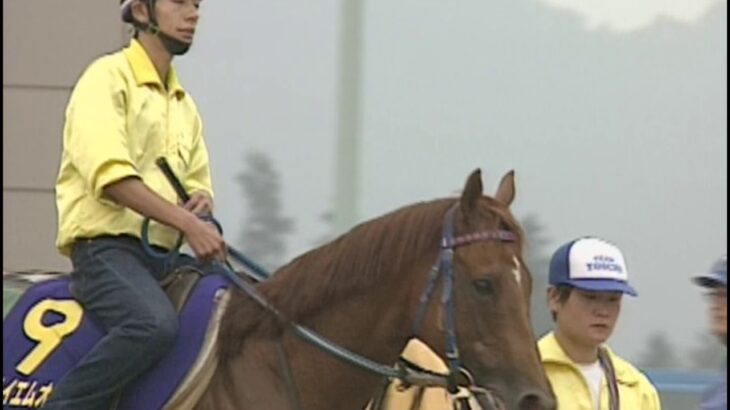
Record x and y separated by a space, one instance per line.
347 169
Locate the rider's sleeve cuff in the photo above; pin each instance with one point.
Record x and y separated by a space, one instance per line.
108 174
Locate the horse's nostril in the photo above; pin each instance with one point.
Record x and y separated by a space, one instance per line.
535 401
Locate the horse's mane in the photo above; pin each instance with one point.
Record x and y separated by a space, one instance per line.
352 263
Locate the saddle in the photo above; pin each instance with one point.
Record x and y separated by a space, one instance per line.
60 334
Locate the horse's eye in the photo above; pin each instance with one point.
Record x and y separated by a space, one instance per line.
484 286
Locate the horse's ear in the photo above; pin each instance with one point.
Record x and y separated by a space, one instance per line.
506 191
472 192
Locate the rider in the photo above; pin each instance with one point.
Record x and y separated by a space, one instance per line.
587 280
715 281
126 110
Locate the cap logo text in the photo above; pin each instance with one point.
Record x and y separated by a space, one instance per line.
604 263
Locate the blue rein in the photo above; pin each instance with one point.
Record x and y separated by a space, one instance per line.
406 375
252 269
444 265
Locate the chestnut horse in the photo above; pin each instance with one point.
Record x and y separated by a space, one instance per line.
365 290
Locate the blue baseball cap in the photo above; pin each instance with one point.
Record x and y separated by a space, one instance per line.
717 276
590 264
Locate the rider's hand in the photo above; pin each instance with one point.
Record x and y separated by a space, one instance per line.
205 241
200 203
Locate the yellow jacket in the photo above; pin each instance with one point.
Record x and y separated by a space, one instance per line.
119 120
635 391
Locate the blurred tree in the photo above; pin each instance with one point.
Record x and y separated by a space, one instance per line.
659 353
538 262
708 353
263 238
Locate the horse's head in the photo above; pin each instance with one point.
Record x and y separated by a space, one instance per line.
478 318
482 244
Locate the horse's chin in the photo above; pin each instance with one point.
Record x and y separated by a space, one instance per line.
490 402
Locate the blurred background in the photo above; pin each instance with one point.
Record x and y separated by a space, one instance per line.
323 114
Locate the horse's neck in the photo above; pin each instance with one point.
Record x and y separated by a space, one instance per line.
375 324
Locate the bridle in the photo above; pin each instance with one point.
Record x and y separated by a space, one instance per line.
405 374
444 266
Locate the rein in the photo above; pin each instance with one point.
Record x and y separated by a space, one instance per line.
253 270
407 374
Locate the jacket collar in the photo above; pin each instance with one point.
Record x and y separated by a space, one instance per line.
552 352
145 73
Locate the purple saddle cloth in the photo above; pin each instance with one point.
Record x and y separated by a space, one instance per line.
151 392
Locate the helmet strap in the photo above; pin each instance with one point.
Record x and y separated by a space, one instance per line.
173 46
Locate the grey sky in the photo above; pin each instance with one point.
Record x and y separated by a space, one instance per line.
630 15
616 131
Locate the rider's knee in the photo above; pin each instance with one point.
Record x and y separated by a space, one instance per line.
157 332
165 331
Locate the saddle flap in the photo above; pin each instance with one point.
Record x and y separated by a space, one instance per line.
190 390
179 285
47 308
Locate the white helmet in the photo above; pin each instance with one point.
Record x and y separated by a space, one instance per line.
126 11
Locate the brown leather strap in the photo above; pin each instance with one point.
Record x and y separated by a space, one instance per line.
605 360
288 376
381 397
462 403
418 397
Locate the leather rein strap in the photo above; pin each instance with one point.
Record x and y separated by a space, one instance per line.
405 374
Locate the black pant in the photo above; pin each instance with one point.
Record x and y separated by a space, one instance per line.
117 283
